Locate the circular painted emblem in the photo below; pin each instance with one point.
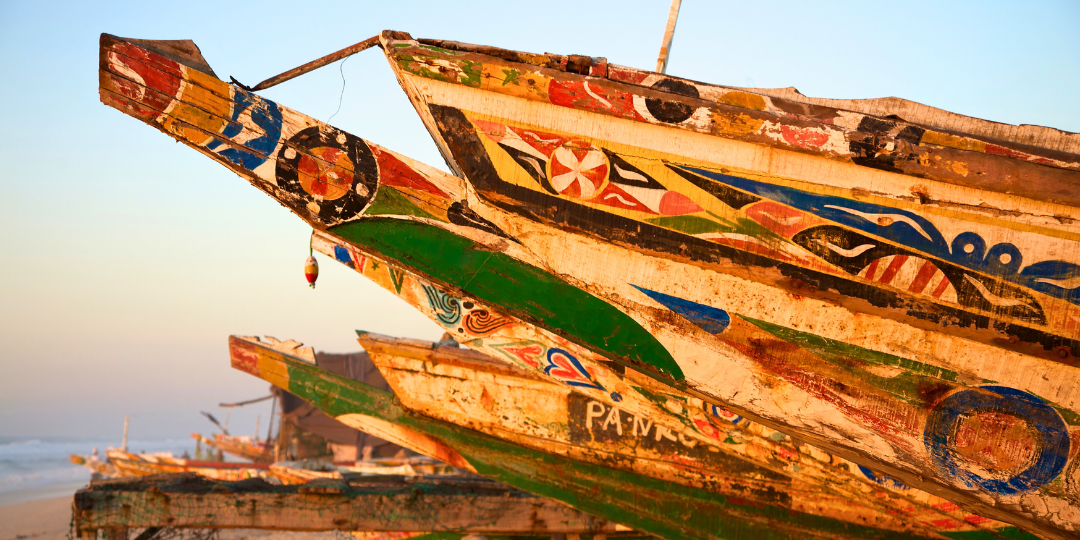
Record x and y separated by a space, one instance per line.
578 169
334 172
1001 439
672 111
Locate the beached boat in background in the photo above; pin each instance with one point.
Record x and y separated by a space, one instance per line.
897 292
142 464
250 448
303 471
103 468
663 508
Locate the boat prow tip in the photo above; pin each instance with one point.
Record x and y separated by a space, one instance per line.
290 347
181 51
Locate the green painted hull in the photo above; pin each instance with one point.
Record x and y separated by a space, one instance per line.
654 506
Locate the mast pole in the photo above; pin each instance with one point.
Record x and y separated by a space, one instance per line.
669 34
270 430
123 443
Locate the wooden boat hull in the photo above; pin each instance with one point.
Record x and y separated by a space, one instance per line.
742 460
784 268
100 467
649 505
242 447
300 472
132 464
872 387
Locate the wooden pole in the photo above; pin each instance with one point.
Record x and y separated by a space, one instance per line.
123 442
669 34
316 64
270 429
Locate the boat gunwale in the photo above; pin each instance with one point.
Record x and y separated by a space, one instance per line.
1069 144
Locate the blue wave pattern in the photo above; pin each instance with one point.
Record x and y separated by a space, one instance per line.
968 249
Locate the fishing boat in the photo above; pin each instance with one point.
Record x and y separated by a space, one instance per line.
659 507
99 467
245 447
303 471
737 458
145 464
850 273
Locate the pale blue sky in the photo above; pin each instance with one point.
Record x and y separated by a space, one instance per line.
127 259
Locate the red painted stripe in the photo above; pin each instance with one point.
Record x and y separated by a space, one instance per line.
870 270
893 268
926 273
940 290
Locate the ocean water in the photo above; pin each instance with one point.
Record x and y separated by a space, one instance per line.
36 468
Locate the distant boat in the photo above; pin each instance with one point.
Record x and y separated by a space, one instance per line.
142 464
889 281
303 471
103 468
244 447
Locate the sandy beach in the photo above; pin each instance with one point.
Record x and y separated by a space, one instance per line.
49 519
43 519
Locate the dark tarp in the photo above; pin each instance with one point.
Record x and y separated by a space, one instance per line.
303 415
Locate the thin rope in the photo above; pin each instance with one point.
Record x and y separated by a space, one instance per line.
341 70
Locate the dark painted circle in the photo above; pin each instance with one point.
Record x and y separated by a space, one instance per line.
1052 447
365 171
672 112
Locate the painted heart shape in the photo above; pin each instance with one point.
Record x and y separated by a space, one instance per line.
562 365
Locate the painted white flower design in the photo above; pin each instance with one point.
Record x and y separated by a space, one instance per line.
578 170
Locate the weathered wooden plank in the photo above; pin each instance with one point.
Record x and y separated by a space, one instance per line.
757 315
649 505
382 504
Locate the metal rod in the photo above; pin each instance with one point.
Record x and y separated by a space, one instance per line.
248 402
316 64
669 34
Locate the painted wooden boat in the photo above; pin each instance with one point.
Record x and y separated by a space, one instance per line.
102 468
143 464
885 379
250 448
880 277
663 508
302 471
741 460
